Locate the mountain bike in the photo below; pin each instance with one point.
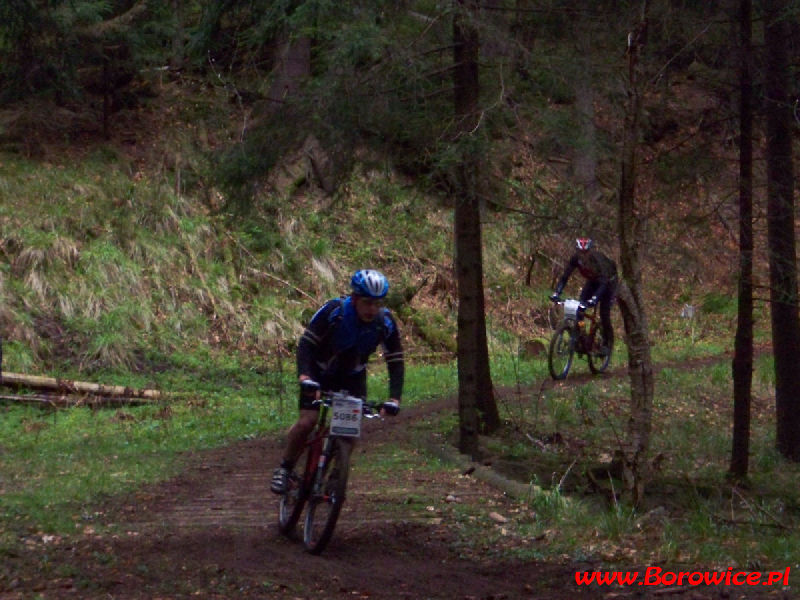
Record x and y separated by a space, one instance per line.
573 336
323 481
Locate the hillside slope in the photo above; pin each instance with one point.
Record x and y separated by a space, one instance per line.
116 253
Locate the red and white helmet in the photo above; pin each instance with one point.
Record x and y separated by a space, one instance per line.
583 244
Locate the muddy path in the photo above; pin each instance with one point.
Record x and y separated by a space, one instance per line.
211 533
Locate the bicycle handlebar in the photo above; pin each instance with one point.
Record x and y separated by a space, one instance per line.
370 410
581 305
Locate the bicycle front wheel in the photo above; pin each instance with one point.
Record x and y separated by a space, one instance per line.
562 349
598 360
327 499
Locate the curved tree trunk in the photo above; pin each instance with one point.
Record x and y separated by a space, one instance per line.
640 366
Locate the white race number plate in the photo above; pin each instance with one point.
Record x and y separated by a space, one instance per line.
571 309
346 416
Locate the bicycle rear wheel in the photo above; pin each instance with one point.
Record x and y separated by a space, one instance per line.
294 499
324 507
562 350
598 360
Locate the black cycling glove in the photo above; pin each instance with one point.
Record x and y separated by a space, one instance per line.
309 389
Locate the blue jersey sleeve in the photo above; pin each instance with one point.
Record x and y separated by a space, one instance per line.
313 337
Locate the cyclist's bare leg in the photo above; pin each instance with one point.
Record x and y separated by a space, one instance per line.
298 433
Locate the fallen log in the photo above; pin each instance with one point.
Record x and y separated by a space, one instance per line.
67 386
66 401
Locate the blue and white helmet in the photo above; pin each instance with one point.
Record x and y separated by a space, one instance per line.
369 283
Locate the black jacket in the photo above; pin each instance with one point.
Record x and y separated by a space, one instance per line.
595 267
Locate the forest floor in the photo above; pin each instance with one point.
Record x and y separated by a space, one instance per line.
211 532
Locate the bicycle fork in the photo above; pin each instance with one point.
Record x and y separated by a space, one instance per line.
574 338
322 460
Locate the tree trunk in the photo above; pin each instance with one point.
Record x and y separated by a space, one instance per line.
585 164
640 366
743 346
477 408
293 68
68 386
780 230
176 59
55 400
585 161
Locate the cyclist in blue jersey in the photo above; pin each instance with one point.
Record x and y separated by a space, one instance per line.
334 350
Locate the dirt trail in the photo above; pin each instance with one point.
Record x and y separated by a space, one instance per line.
211 533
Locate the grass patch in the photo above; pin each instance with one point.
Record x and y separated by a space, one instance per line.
57 465
561 439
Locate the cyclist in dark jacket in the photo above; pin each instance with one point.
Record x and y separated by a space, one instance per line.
334 350
600 288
